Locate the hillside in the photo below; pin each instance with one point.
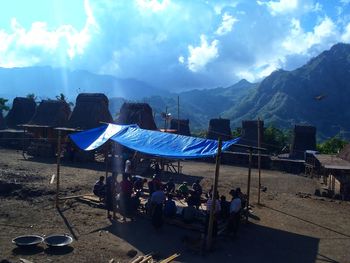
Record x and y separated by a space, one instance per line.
197 105
47 82
316 94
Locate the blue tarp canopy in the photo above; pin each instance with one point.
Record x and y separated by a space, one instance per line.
155 143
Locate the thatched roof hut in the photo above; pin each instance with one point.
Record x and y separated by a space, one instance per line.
21 112
137 113
182 126
219 128
90 110
304 138
250 133
51 113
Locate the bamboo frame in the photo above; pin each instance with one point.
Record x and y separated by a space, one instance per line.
249 178
259 160
58 168
212 207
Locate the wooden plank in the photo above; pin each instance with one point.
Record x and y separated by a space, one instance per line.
74 196
169 259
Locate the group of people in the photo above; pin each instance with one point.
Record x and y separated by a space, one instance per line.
127 195
228 211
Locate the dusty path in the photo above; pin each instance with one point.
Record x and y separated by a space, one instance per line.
287 228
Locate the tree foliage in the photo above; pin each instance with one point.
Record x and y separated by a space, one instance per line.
276 140
31 96
63 97
332 145
3 105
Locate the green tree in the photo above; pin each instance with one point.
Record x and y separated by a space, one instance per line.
63 97
200 134
31 96
275 140
3 105
332 145
237 132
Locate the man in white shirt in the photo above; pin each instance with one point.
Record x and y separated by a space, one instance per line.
235 213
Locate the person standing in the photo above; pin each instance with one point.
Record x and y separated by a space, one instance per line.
125 195
157 201
235 213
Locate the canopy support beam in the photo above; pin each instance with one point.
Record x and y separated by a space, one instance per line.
214 194
58 168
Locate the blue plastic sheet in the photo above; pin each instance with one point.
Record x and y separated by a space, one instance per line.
155 143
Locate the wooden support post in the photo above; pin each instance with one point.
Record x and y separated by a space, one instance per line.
165 119
214 193
178 128
114 180
248 184
259 159
24 143
58 168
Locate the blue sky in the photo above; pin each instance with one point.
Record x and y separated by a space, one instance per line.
171 44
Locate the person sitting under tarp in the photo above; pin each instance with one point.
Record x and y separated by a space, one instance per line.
154 184
170 207
170 186
225 207
183 190
135 203
138 183
100 188
197 188
193 199
157 201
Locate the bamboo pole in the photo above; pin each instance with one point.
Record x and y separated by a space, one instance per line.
178 128
114 180
259 160
58 168
249 177
212 207
165 118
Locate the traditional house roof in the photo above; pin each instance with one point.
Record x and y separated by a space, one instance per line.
137 113
219 128
181 126
90 110
50 113
21 112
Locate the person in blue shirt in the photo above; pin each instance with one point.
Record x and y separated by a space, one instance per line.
170 207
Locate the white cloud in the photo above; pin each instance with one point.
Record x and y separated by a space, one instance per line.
153 5
281 6
346 35
227 23
181 59
23 47
200 56
299 41
345 2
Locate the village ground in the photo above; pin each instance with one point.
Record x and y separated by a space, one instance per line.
288 227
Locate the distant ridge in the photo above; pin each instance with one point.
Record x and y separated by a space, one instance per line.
317 93
47 82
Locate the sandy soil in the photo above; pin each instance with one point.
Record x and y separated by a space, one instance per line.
287 227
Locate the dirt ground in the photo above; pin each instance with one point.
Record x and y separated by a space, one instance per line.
291 225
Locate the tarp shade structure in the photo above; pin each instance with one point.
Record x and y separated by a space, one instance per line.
155 143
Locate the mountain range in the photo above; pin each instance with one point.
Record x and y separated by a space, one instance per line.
314 94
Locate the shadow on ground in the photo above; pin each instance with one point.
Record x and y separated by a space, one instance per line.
255 243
